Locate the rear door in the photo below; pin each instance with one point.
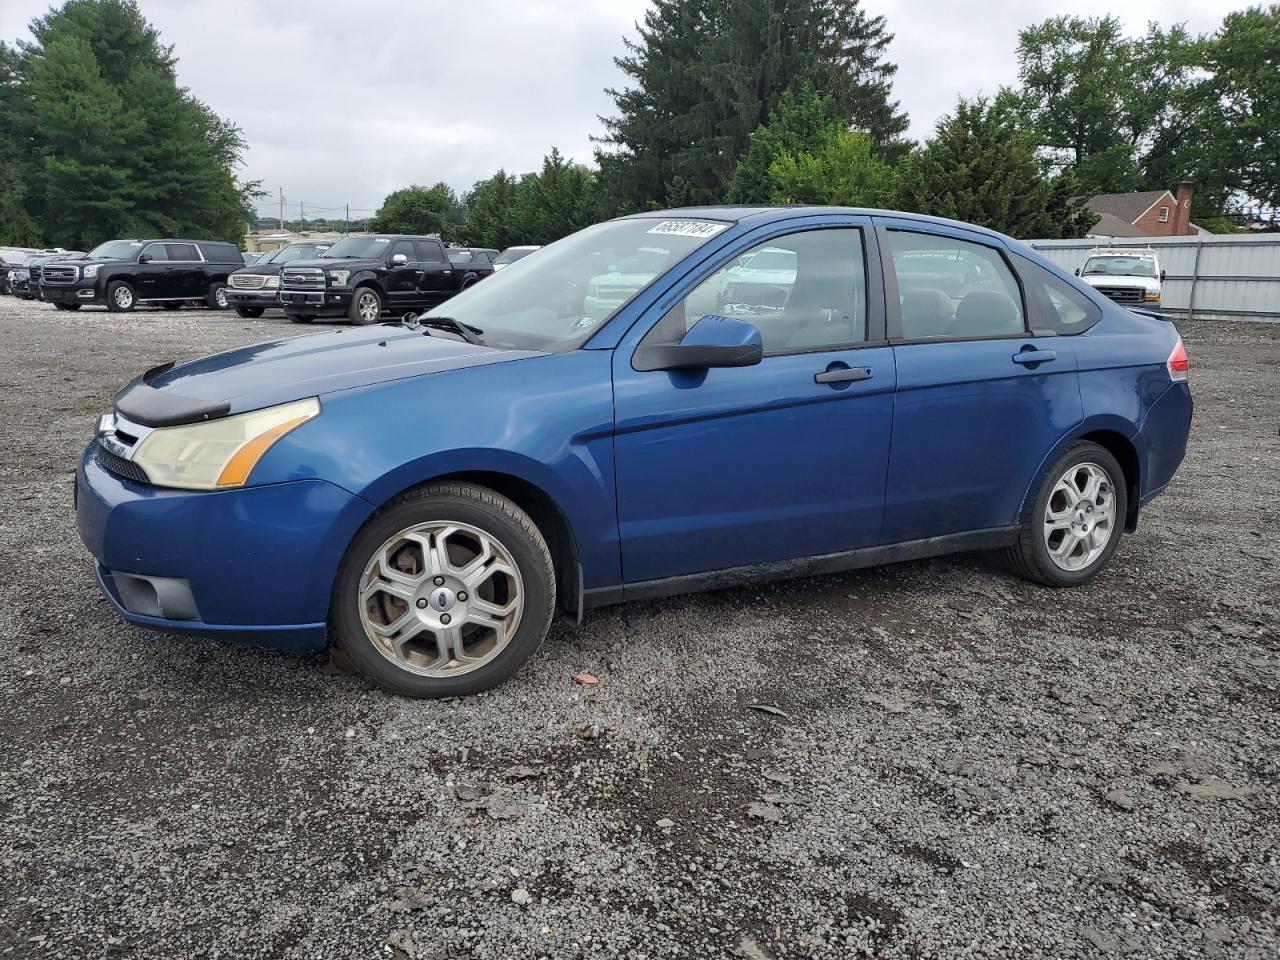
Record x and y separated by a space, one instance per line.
186 271
437 282
740 466
403 279
981 396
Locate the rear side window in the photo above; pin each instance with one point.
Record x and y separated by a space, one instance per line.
182 251
429 252
219 252
952 289
1055 304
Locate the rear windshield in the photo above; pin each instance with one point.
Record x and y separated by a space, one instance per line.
512 254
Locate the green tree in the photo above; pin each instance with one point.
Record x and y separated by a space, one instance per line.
492 210
420 210
801 123
844 171
1104 103
116 147
17 228
558 200
706 74
980 166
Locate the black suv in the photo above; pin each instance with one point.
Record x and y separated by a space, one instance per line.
121 274
254 288
363 277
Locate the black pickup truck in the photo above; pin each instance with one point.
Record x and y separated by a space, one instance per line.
362 278
122 274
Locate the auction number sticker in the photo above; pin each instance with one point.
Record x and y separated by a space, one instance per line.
702 229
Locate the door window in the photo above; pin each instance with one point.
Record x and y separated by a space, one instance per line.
429 252
951 289
157 252
183 252
404 247
804 291
1059 306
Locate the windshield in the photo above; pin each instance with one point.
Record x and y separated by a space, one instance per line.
360 248
1121 266
301 251
554 301
115 250
459 256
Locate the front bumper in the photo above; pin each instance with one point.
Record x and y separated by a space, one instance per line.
321 303
252 298
71 293
255 563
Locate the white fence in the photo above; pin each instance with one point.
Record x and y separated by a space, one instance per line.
1223 277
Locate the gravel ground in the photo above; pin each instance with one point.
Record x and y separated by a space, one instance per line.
954 763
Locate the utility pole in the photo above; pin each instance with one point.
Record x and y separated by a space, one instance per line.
302 217
282 208
348 216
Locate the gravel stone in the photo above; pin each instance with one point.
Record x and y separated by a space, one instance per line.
179 797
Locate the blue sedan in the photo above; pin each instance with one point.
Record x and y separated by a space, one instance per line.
631 414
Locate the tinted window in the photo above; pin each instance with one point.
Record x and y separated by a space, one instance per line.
115 250
403 248
459 256
951 289
1056 303
158 252
429 252
820 300
512 254
182 251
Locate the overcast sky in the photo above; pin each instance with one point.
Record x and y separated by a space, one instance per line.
342 102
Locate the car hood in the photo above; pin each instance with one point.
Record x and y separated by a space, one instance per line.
336 263
266 270
279 371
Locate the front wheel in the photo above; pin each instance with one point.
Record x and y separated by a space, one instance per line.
217 296
366 307
1077 518
447 591
249 313
121 297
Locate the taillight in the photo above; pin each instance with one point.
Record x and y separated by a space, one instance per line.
1177 363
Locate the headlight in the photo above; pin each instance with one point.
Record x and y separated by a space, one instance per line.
273 281
220 453
339 277
91 271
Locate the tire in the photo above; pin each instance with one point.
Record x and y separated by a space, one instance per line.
362 310
301 317
250 313
121 297
216 298
1045 554
66 306
526 598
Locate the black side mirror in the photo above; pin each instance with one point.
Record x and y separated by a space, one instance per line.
1077 271
711 342
1162 276
144 258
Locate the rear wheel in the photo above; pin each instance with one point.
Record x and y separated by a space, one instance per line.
66 306
249 313
446 592
1075 523
121 297
217 296
366 306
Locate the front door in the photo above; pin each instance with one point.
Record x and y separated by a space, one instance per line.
438 281
982 397
403 278
734 467
155 277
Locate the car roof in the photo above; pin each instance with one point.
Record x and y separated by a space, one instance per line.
764 213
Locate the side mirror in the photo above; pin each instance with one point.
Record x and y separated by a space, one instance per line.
399 260
1162 276
1077 271
144 258
711 342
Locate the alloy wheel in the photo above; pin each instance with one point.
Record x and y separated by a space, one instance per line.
220 298
1080 517
123 297
369 306
441 599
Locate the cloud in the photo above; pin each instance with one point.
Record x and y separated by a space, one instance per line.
342 103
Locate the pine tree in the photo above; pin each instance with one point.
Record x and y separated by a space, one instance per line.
981 167
802 123
843 171
558 200
420 210
17 228
491 207
708 73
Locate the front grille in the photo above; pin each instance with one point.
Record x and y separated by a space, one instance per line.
60 274
248 281
1123 294
120 466
307 279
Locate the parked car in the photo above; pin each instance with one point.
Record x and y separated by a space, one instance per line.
434 491
122 274
464 255
25 280
251 258
511 255
362 278
251 290
1129 276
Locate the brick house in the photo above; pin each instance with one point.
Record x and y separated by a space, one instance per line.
1151 213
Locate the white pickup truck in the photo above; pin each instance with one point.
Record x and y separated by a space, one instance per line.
1131 277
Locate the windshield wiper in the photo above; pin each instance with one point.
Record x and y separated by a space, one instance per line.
465 330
